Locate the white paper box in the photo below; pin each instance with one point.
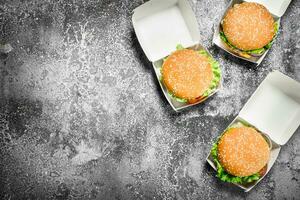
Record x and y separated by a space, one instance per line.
160 25
273 109
276 7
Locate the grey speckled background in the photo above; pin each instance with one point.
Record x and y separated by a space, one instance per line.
82 115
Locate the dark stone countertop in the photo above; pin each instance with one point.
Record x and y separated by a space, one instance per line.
82 115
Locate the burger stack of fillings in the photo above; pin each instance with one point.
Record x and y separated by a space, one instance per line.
248 28
241 154
190 75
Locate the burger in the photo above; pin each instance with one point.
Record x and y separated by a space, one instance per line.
248 28
190 75
241 155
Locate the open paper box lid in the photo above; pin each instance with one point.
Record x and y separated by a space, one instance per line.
276 7
161 25
274 108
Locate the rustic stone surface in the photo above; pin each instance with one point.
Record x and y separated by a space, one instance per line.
82 115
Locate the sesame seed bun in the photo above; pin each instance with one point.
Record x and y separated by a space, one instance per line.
243 151
248 26
187 74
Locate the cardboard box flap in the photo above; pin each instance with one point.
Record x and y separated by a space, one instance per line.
161 25
274 108
276 7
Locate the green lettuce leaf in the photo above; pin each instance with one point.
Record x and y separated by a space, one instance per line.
254 51
179 47
216 74
258 51
226 177
177 98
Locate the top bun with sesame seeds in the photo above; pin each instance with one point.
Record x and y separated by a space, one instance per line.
243 151
248 26
187 74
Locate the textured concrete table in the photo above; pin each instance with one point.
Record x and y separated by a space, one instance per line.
82 115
